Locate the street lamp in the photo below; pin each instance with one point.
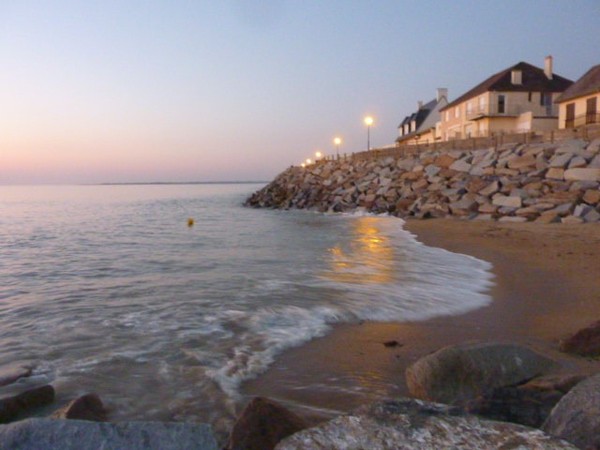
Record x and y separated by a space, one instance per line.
308 162
337 142
368 123
318 155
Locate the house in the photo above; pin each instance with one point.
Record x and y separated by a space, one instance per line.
580 103
420 126
516 100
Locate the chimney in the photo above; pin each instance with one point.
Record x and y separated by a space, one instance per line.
548 67
419 105
442 92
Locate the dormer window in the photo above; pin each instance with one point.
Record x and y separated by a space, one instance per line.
516 77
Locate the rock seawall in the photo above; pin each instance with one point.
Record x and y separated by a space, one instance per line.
558 182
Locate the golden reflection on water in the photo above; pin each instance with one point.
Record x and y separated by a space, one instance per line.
368 258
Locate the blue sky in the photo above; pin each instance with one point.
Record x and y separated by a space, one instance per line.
239 90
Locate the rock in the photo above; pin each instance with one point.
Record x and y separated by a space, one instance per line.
591 196
262 424
561 160
86 407
521 162
10 374
585 342
576 162
572 220
512 219
548 217
13 407
588 174
444 161
576 417
490 189
49 434
527 404
592 216
555 174
457 374
412 424
460 166
504 200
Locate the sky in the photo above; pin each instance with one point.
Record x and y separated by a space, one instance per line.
239 90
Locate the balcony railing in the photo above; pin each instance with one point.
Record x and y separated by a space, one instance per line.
480 111
583 119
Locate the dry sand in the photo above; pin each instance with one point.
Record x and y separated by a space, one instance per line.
547 286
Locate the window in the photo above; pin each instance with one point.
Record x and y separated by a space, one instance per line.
469 107
529 95
545 99
447 116
590 111
570 117
457 112
501 104
481 104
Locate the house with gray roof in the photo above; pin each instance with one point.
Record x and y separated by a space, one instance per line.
420 126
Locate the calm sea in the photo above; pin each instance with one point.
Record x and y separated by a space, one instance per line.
107 289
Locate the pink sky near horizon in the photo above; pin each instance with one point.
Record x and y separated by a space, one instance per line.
239 90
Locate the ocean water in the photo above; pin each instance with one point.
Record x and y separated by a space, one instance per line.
106 289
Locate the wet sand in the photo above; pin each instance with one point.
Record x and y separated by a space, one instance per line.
546 286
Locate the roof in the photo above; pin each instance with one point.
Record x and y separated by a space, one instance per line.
533 80
588 84
425 118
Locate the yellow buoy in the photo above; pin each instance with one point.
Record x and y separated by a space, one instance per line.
190 222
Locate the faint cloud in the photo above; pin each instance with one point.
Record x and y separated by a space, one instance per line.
259 14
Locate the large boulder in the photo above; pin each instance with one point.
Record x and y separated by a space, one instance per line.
262 424
49 434
458 374
586 342
86 407
576 417
413 424
12 408
10 374
526 404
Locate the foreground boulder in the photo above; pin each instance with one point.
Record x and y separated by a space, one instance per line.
86 407
585 342
526 404
262 424
458 374
12 408
576 418
413 424
48 434
10 374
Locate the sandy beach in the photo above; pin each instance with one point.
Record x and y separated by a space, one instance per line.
546 286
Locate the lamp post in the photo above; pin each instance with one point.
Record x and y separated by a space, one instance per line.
318 155
337 141
368 123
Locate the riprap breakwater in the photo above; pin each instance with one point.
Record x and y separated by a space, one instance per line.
542 182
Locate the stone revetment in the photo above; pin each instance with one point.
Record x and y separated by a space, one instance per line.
541 182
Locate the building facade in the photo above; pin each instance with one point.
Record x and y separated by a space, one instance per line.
580 104
516 100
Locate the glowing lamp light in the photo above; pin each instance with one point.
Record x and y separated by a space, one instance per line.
308 161
302 165
318 154
368 121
